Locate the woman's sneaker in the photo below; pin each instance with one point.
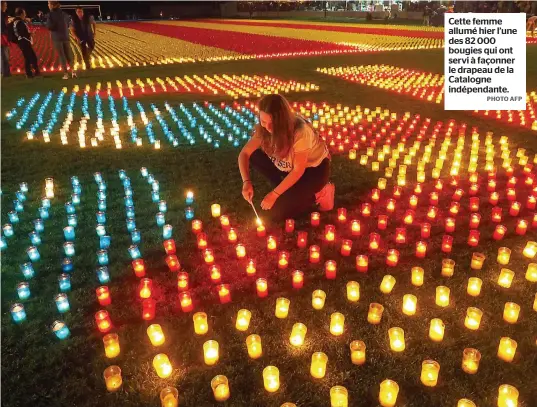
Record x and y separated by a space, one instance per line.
65 76
325 197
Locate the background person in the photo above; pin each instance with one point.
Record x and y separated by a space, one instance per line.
84 30
531 24
6 71
58 25
25 41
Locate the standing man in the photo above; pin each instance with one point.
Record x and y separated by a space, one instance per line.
58 24
25 41
5 42
84 30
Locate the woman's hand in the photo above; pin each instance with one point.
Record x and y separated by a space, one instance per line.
248 191
269 200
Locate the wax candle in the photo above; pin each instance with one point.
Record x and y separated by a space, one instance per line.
134 252
429 372
61 330
319 361
298 279
33 253
104 324
337 323
504 255
346 247
366 210
302 239
374 314
112 378
201 241
282 308
18 314
103 275
103 296
315 218
289 225
111 345
425 230
442 296
169 397
473 238
474 286
215 210
232 235
197 226
531 273
473 318
521 227
389 390
224 222
220 386
224 293
155 334
271 378
162 365
353 291
505 279
136 236
23 291
387 284
314 254
436 330
470 360
208 256
432 213
447 243
417 276
409 304
357 352
272 244
318 299
283 260
211 352
507 396
496 214
62 303
397 339
216 275
511 311
449 225
530 250
329 233
254 347
250 267
355 227
298 333
421 249
240 251
64 282
243 320
138 267
261 287
507 349
200 323
330 268
392 257
169 246
185 300
145 287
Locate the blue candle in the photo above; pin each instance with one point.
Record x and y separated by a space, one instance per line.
69 249
39 226
126 183
34 238
167 231
62 303
155 186
136 236
162 206
155 197
8 230
101 230
101 195
144 172
129 211
101 186
104 242
128 191
102 257
189 212
74 181
20 196
64 281
77 189
13 217
98 177
72 220
43 212
69 208
27 270
18 313
122 174
23 290
24 187
3 243
17 205
75 199
134 251
67 265
101 204
131 224
45 202
60 330
101 217
69 233
189 198
150 178
128 201
160 219
33 253
103 275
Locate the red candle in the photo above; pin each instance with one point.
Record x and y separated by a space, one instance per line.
397 190
169 246
521 227
240 250
475 219
473 238
499 232
491 185
425 230
346 247
148 309
534 221
390 205
514 209
474 204
342 215
139 267
511 182
473 177
362 263
197 226
298 279
289 226
186 301
449 225
433 198
400 235
392 258
173 262
272 245
224 221
374 241
408 219
421 249
315 218
531 202
375 195
457 195
182 281
315 254
261 231
413 201
330 268
496 215
216 276
202 241
439 185
418 189
432 212
250 268
103 296
474 189
261 286
511 194
104 323
356 227
454 208
231 235
330 233
208 256
366 210
447 243
283 260
493 198
224 293
302 239
382 222
145 287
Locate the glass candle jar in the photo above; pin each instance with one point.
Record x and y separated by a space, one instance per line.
337 324
271 378
18 313
474 286
62 303
243 320
162 365
61 330
507 349
298 279
409 304
362 263
505 279
201 325
319 361
389 390
387 284
374 315
318 299
155 334
504 254
448 267
429 372
470 360
169 397
442 296
112 378
417 276
353 291
397 339
253 344
507 396
473 318
357 352
339 397
220 386
111 345
282 308
511 312
211 352
477 261
23 290
298 333
436 330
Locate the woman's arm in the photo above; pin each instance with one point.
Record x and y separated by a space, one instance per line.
244 157
299 166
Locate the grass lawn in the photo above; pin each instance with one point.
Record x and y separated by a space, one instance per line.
39 370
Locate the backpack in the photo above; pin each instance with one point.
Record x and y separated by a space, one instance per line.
11 37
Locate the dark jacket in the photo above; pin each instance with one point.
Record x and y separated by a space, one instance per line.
20 28
58 24
83 28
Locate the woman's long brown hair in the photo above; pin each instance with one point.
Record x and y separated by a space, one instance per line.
283 125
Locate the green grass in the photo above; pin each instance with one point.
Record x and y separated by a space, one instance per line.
38 370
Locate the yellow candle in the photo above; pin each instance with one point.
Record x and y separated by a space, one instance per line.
288 404
504 254
169 397
298 333
156 336
507 349
339 397
375 313
511 312
409 304
436 330
253 344
243 320
271 378
477 261
429 372
535 303
317 299
505 279
507 396
220 386
387 284
473 318
470 360
112 378
442 296
162 365
200 323
389 390
318 365
210 352
353 291
417 276
465 403
474 286
282 308
530 250
531 273
111 345
448 267
215 210
357 352
337 323
397 339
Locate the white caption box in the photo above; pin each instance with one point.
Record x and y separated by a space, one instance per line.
485 61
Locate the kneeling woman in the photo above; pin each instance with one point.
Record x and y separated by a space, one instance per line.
294 159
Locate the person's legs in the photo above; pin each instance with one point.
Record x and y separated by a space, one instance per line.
66 45
33 60
58 46
26 49
262 163
85 53
5 62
